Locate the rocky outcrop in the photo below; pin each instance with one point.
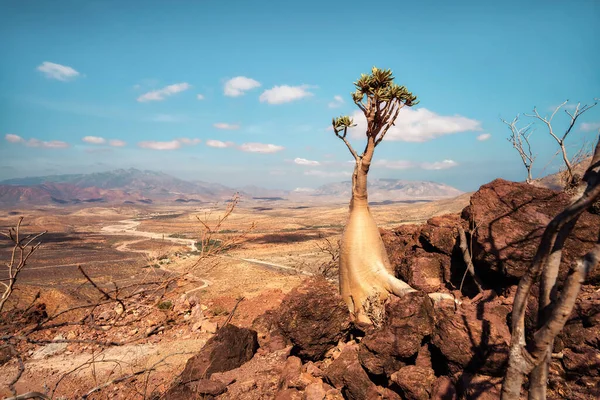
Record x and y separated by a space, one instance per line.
511 218
475 338
425 350
228 349
408 320
313 317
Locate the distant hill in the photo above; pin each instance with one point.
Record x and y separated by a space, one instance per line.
133 186
392 190
60 193
112 186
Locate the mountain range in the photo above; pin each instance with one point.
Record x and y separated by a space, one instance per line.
145 187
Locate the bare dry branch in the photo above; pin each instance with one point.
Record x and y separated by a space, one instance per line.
561 140
527 357
519 138
468 260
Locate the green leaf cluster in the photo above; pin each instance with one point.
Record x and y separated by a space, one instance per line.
342 122
380 86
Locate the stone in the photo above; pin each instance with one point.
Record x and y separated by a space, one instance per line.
443 389
408 320
228 349
347 374
314 318
512 217
202 388
474 344
415 382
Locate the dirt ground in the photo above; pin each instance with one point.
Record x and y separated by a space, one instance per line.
276 248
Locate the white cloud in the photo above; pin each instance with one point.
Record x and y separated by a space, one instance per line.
226 126
418 125
117 143
52 144
484 136
200 96
439 165
172 145
394 164
260 148
94 140
304 161
404 164
284 94
239 85
337 102
303 190
12 138
327 174
160 94
219 144
189 142
590 126
57 71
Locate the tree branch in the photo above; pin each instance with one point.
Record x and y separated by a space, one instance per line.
343 137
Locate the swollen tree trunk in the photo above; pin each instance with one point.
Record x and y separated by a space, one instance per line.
365 269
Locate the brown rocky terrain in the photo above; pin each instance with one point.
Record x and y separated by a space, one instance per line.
424 350
292 337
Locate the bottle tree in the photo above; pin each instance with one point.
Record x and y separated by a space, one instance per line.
365 271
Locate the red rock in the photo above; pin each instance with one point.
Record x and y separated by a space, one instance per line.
481 387
288 394
202 388
346 374
313 317
512 217
583 360
408 320
440 233
422 270
443 389
415 383
228 349
424 357
479 345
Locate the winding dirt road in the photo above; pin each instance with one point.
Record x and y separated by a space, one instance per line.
129 227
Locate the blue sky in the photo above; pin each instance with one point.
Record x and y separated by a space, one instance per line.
95 85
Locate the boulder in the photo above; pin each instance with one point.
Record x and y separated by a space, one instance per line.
408 320
582 360
415 383
347 374
443 389
270 337
228 349
472 342
199 389
511 218
288 394
314 318
481 387
440 234
423 271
